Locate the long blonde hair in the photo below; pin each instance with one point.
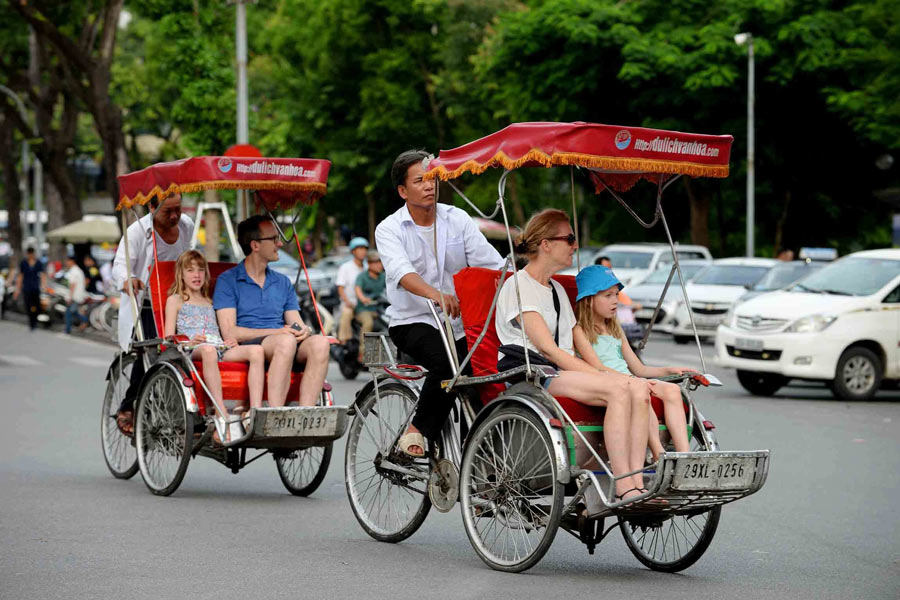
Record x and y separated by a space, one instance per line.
540 226
187 257
587 320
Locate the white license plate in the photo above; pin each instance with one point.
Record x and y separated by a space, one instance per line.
708 321
301 423
748 344
713 473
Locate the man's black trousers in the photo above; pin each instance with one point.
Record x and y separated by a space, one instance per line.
423 343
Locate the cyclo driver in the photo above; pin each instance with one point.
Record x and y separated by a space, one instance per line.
417 274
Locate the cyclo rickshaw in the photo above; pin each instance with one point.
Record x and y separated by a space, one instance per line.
531 463
173 410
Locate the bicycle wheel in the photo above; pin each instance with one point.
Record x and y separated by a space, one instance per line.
164 432
511 498
118 449
389 505
672 542
303 470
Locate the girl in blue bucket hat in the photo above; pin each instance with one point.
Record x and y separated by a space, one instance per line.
601 342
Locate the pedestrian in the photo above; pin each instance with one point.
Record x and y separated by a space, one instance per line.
32 278
76 282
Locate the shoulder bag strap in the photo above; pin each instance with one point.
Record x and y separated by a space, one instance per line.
556 308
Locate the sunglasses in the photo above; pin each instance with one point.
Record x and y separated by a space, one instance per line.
569 239
263 239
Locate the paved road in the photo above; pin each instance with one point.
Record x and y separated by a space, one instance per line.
825 526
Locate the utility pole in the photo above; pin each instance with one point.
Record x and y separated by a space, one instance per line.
243 135
741 39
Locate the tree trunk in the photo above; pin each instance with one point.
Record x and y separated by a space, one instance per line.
517 210
370 202
54 206
699 198
782 220
12 191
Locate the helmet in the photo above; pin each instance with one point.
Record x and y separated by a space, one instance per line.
357 242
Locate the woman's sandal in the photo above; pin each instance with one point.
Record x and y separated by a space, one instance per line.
125 422
412 438
224 429
623 494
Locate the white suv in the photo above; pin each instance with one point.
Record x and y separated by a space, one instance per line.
840 325
632 263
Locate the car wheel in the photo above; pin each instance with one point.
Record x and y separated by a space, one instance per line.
761 384
682 339
858 374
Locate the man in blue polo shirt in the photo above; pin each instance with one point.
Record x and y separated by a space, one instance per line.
256 305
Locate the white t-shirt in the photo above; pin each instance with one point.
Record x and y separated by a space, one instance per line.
535 298
427 236
346 277
75 279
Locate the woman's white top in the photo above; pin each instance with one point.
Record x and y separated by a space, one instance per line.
140 249
538 298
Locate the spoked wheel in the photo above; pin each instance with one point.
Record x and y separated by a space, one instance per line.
164 432
511 499
389 505
303 470
118 449
671 542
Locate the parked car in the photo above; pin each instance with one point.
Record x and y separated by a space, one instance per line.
289 266
781 276
647 293
634 262
840 325
586 256
713 292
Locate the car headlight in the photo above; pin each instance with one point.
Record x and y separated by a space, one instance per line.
811 324
729 320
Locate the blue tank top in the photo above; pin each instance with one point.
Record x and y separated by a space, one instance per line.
609 351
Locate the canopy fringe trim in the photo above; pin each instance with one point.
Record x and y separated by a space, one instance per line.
582 160
314 188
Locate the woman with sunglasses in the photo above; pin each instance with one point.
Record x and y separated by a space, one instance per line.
549 322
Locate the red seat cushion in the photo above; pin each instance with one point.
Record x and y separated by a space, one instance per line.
234 384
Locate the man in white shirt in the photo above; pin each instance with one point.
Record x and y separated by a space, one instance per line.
76 282
422 246
173 232
346 286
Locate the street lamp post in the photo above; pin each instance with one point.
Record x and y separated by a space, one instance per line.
240 39
741 39
37 186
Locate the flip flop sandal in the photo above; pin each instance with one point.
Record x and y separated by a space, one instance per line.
408 440
125 422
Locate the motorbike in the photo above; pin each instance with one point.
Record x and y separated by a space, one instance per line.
346 355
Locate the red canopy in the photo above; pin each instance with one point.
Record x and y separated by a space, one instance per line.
281 182
617 156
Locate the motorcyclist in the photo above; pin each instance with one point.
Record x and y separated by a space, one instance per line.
370 286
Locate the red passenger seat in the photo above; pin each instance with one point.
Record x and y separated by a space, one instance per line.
234 374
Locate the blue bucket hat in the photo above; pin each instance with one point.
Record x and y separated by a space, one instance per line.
593 279
357 242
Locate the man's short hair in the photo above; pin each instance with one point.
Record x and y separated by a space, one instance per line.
402 164
248 230
30 250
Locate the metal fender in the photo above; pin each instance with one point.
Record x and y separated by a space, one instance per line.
180 375
115 364
560 450
382 379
